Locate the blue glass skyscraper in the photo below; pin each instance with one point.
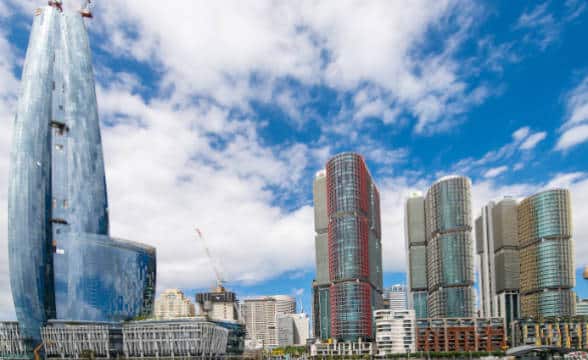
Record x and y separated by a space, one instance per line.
63 264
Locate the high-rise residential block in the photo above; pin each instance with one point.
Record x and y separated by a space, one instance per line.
63 264
450 265
498 248
355 250
416 248
546 253
171 304
321 308
395 297
218 305
261 318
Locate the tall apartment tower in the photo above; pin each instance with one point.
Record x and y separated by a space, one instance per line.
355 250
497 246
450 265
547 256
261 318
416 248
321 309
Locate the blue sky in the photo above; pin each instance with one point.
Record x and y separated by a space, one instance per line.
217 115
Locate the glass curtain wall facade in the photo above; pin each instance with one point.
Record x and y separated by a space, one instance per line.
547 256
416 248
355 254
450 265
57 191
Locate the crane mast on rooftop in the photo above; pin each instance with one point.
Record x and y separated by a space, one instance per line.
219 279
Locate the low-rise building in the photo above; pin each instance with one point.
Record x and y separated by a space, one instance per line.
460 334
395 331
12 344
346 348
568 333
582 307
172 304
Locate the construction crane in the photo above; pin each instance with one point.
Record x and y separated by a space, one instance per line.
219 279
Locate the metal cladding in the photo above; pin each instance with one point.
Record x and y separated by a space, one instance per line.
547 261
450 266
355 255
57 191
416 247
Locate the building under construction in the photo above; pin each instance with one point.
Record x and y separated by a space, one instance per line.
571 333
460 334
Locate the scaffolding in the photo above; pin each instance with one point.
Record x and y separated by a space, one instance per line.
74 339
177 338
11 342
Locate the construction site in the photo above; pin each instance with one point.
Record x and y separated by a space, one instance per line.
460 335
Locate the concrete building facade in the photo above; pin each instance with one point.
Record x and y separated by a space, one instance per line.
218 305
321 304
395 331
546 253
450 263
261 319
497 246
416 248
172 303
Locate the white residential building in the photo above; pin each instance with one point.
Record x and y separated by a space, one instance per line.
173 304
261 319
395 331
293 329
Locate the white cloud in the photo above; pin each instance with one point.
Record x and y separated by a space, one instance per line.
575 128
494 172
521 133
533 140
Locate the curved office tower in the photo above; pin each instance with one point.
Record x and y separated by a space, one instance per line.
62 263
450 264
355 252
416 248
547 257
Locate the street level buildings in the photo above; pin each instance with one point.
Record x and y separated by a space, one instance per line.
450 264
497 246
460 334
63 263
395 331
261 319
567 333
416 248
354 254
172 303
546 253
395 297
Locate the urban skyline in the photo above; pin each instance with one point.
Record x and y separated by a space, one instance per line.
258 282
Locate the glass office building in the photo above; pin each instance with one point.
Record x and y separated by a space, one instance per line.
63 265
546 252
354 247
450 264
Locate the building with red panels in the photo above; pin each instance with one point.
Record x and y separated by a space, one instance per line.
460 334
354 247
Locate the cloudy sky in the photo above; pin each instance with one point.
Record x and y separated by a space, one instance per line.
218 114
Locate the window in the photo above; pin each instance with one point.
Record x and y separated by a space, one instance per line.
65 204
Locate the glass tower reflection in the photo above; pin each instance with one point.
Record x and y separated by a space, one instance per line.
63 265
